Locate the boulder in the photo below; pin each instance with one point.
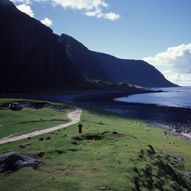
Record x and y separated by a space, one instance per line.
15 106
13 161
23 146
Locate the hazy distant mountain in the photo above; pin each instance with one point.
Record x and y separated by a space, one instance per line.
30 54
137 72
105 67
83 59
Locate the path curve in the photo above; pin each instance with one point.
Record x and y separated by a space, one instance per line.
74 116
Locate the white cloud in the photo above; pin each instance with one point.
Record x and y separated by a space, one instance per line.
48 22
98 13
111 16
174 63
183 79
26 9
81 4
91 8
22 1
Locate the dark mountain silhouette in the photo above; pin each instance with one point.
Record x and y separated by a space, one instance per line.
137 72
105 67
83 59
30 54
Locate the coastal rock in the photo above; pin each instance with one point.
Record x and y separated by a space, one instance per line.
13 161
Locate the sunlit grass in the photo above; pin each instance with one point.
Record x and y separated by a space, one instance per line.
106 164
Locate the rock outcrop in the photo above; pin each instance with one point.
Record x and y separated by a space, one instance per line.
13 161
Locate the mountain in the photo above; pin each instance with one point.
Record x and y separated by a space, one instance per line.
136 72
83 59
30 54
105 67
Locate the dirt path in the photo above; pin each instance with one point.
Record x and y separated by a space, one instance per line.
73 116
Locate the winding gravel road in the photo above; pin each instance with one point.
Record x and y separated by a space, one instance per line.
74 116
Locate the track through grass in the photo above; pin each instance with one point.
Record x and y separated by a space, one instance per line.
107 163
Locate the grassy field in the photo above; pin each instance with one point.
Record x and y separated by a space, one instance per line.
112 154
30 119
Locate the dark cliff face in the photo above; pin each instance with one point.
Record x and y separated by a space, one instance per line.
99 66
136 72
30 54
83 59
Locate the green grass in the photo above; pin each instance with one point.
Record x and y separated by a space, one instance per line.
28 119
92 165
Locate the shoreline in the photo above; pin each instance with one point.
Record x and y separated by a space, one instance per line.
176 119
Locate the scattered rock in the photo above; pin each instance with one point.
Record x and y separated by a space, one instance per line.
22 146
171 143
179 130
177 157
116 135
98 136
38 104
151 150
75 143
188 175
89 136
13 161
60 151
15 106
74 149
155 171
40 154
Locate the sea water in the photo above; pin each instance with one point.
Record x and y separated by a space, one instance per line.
173 97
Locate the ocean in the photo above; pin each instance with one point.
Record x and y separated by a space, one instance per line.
173 97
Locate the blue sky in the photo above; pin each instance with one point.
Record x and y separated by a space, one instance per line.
158 31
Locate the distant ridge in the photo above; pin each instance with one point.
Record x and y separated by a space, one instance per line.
85 60
100 66
137 72
32 56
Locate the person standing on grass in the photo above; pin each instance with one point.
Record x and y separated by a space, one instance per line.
80 128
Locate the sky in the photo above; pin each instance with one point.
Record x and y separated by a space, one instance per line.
157 31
